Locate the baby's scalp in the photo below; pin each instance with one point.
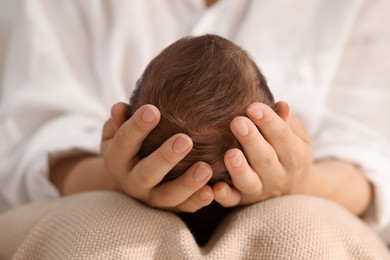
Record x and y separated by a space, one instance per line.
200 84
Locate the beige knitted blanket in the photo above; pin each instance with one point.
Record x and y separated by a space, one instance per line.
107 225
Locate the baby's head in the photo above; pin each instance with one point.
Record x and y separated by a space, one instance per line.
199 84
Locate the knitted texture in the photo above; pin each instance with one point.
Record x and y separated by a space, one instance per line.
107 225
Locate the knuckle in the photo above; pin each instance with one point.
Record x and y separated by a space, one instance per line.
251 139
295 161
253 190
279 135
264 160
165 157
123 140
146 177
267 159
189 185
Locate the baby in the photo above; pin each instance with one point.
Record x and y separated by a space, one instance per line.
199 84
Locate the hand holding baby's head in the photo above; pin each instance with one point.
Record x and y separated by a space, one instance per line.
199 84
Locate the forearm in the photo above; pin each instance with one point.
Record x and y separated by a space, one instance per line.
341 182
82 173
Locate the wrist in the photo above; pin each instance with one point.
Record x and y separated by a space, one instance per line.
341 182
80 173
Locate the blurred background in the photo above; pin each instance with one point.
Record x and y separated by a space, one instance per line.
7 9
378 101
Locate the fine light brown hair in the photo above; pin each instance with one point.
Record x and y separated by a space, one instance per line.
199 84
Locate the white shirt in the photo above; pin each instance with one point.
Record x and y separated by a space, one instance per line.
71 60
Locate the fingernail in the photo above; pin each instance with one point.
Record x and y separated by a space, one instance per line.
148 115
242 128
255 112
205 196
200 173
236 161
181 145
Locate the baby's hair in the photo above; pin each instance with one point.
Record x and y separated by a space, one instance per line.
199 84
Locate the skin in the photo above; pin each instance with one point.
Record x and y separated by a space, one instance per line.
210 2
276 160
286 166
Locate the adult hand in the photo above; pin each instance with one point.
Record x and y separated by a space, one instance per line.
141 179
278 157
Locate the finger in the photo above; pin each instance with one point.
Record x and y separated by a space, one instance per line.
118 112
179 190
299 129
272 127
283 110
295 124
226 195
275 130
111 125
203 197
150 171
109 130
128 139
243 177
259 153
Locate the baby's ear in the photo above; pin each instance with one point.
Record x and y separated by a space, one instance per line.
283 110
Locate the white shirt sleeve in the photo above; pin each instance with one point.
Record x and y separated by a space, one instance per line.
55 102
355 125
50 101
